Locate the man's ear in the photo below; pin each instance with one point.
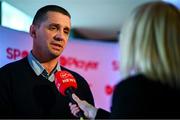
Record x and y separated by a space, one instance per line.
32 31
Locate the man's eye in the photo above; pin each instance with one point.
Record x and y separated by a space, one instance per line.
53 28
67 32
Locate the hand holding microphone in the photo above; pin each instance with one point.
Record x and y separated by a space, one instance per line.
66 85
89 110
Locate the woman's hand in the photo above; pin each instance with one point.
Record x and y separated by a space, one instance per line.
89 110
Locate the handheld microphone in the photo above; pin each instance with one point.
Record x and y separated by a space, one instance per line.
66 85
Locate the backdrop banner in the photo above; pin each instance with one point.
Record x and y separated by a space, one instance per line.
96 61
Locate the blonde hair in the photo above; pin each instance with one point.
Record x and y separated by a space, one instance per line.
150 42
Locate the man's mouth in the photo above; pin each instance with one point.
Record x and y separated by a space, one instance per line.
56 46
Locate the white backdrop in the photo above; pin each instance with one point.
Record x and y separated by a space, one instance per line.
96 61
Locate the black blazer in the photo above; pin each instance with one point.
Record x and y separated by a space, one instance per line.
140 97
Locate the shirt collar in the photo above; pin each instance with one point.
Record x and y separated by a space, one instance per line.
39 69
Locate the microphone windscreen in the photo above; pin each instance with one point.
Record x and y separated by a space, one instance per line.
64 80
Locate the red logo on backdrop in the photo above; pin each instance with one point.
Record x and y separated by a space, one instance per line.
81 64
115 65
109 89
14 54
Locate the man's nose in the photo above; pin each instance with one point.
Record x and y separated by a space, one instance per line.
59 35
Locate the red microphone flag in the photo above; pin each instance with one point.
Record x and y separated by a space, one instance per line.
64 80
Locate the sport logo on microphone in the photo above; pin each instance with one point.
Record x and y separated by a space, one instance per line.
64 80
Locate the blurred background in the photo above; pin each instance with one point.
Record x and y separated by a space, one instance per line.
91 19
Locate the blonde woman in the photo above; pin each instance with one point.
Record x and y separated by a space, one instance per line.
150 49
